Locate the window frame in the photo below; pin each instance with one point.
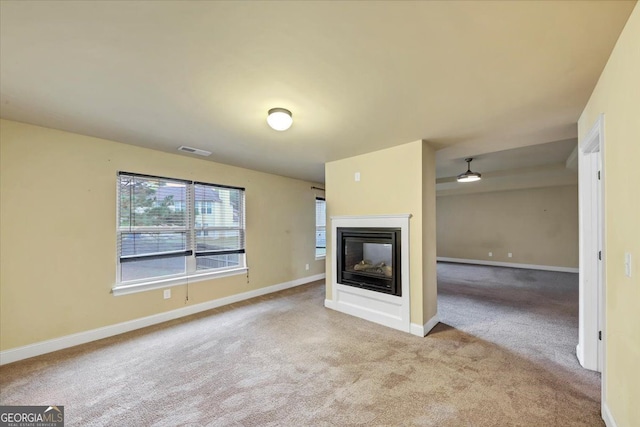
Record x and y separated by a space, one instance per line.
320 257
191 273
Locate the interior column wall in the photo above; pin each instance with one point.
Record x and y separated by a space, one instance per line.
429 237
391 182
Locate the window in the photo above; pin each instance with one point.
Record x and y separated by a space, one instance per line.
171 228
321 227
219 227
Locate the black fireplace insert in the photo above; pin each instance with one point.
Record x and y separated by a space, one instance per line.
369 258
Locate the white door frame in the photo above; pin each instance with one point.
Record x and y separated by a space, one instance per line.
590 349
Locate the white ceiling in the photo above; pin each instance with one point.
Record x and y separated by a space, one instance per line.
473 78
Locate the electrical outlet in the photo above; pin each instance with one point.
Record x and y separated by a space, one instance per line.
510 255
306 266
490 253
627 264
167 293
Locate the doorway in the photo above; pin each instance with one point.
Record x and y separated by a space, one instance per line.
591 348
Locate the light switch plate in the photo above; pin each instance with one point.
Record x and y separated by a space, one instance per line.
167 293
627 264
356 176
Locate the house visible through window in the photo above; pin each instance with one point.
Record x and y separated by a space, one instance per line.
321 227
171 228
204 207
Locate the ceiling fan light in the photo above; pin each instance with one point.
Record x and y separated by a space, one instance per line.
279 119
469 176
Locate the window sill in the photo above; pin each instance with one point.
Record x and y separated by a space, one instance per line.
318 258
133 288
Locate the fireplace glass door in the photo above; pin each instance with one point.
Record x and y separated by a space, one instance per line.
369 258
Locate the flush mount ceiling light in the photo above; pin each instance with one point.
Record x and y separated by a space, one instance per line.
279 119
469 176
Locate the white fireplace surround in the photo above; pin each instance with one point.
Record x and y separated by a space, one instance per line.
388 310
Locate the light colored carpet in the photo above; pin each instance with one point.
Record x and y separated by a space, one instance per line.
503 356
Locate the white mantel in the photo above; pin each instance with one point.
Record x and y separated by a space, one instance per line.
389 310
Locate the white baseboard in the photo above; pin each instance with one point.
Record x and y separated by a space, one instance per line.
607 417
510 264
580 355
423 330
43 347
329 304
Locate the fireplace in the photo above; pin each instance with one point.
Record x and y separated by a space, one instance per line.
369 258
371 295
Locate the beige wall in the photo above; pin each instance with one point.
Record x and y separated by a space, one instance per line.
429 253
617 95
391 182
58 246
538 226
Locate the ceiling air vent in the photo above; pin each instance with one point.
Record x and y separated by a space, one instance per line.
194 151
